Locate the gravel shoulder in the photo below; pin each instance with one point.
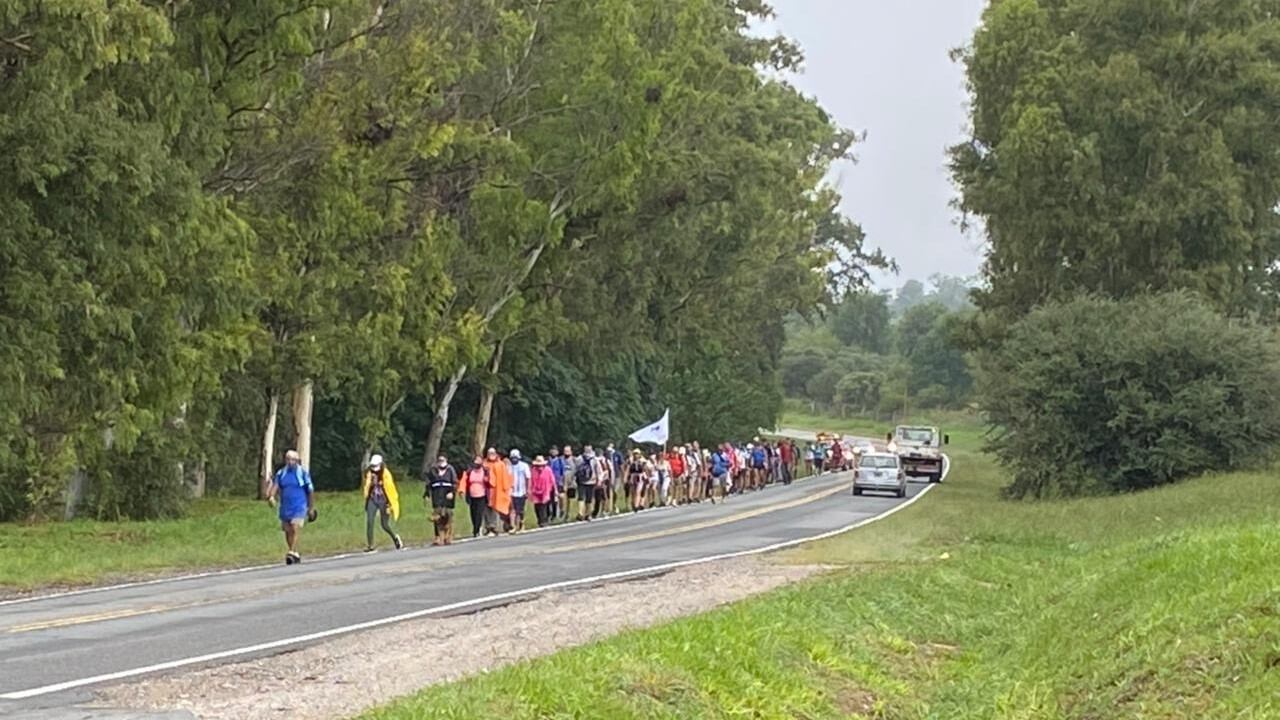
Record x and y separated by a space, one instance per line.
345 676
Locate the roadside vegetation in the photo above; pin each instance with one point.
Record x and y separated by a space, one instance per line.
878 354
1158 604
217 533
396 228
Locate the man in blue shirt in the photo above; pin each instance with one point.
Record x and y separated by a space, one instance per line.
292 483
557 472
720 466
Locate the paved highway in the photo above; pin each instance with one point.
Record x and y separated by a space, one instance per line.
54 649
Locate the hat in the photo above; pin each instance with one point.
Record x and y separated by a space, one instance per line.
515 454
539 460
375 461
636 451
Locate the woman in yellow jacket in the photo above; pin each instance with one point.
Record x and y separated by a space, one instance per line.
380 498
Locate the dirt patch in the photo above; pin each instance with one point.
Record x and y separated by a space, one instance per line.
343 677
854 701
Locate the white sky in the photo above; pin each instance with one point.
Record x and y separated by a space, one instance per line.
881 66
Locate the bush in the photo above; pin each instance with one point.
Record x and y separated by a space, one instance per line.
1100 396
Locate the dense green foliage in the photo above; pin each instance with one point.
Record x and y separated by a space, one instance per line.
1124 146
876 354
1099 395
208 209
1119 149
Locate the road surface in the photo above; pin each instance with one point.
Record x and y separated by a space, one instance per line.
54 650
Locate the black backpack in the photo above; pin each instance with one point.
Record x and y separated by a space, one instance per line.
584 472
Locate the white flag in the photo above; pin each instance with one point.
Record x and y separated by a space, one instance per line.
656 433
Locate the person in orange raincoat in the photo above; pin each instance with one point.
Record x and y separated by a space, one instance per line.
499 513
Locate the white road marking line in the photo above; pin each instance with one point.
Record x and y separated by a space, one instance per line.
526 592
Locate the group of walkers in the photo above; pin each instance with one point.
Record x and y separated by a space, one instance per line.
562 485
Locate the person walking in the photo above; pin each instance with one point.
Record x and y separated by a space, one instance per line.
675 460
380 500
584 475
292 485
664 479
442 486
693 472
556 465
786 456
569 464
542 489
604 484
476 482
519 490
615 477
758 472
721 467
837 455
498 516
635 479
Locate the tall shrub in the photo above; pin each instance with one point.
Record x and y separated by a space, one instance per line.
1094 396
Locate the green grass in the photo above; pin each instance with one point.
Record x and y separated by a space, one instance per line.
218 533
1159 605
962 427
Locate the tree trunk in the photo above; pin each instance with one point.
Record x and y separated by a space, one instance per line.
198 479
78 485
485 411
75 493
269 445
440 419
303 397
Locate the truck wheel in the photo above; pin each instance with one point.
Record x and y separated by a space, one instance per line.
935 478
857 491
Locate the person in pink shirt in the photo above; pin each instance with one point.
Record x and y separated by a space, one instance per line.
542 490
476 482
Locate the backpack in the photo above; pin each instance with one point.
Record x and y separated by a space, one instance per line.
584 472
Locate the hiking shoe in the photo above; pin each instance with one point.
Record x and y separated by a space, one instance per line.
288 558
399 543
293 558
368 548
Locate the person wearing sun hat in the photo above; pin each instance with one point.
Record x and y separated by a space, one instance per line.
380 499
542 490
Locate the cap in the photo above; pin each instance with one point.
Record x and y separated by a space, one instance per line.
515 453
375 461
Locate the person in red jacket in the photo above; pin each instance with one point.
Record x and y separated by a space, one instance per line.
675 459
786 456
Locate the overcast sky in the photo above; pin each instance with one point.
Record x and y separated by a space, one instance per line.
881 66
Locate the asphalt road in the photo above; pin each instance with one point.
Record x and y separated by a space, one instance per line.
53 650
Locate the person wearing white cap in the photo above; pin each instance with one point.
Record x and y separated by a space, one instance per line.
380 499
520 473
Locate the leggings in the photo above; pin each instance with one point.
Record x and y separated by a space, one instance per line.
371 509
544 512
477 505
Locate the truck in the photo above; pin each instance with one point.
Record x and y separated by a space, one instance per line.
920 450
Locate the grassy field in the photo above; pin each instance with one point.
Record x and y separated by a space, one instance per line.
217 533
1160 605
